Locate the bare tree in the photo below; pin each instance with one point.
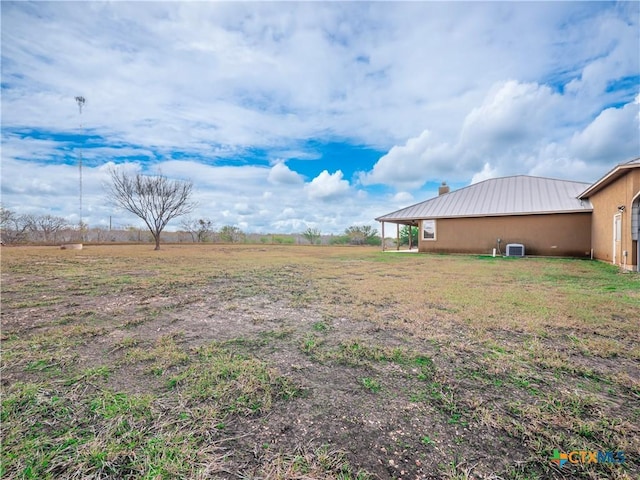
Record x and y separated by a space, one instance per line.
154 198
13 227
47 225
200 229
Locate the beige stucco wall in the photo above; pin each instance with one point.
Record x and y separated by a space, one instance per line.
605 206
567 234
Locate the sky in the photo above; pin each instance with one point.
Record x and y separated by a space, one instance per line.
288 116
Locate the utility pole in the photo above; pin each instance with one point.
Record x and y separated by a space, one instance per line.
80 101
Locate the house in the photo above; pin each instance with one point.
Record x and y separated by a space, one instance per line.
543 214
547 216
615 221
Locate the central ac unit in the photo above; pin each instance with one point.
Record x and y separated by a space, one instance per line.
515 250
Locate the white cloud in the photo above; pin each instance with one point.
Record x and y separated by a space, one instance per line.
411 165
486 173
15 146
53 189
451 91
512 113
613 134
240 74
403 197
553 162
244 209
327 186
280 174
519 128
287 214
611 51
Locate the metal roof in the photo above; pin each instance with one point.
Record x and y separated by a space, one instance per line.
518 195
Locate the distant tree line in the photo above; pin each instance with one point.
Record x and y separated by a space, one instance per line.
358 235
48 229
17 228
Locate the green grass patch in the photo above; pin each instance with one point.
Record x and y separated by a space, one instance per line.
164 355
235 383
371 384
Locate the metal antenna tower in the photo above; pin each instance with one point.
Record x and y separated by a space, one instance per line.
80 101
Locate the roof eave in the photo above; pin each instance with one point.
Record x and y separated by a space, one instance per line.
482 215
617 172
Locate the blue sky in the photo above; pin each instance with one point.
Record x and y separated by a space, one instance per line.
319 114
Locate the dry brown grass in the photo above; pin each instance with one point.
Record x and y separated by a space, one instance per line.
288 362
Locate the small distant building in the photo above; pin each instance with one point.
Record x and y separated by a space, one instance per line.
549 217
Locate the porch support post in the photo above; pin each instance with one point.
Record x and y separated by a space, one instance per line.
410 236
397 236
382 235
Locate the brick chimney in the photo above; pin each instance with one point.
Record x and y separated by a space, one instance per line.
444 188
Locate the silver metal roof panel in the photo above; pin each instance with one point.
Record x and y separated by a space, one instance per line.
518 195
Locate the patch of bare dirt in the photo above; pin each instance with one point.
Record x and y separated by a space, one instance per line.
396 432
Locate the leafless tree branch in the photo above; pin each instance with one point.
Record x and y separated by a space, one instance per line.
155 199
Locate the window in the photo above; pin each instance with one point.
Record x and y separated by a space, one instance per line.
428 229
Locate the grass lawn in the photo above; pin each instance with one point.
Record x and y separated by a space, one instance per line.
292 362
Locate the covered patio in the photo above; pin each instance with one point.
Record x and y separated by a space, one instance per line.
398 222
